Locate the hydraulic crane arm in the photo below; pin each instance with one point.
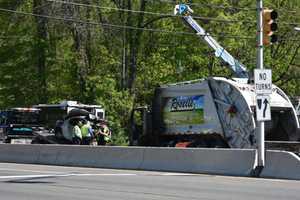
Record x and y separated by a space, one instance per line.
238 68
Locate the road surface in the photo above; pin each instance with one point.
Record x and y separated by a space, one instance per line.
41 182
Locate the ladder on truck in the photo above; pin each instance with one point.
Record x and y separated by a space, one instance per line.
239 69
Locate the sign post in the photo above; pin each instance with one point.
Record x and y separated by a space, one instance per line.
262 88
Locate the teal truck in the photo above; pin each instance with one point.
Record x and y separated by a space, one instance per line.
19 125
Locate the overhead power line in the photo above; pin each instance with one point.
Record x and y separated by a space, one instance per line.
225 7
42 6
162 14
148 12
290 23
210 5
114 25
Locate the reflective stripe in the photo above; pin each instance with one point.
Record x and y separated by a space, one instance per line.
77 132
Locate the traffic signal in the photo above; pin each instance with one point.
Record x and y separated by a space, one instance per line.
269 26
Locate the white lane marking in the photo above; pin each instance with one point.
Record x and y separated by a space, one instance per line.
27 170
87 174
65 174
46 171
74 174
177 174
34 176
59 175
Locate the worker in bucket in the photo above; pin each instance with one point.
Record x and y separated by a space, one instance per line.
77 135
87 132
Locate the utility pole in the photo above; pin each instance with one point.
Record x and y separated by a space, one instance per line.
260 65
124 85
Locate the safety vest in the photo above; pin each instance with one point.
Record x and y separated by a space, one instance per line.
77 131
85 130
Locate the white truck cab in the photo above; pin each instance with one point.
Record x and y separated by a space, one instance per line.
51 113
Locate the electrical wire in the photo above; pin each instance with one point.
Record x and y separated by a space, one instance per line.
148 12
207 5
224 7
163 14
289 23
114 25
42 6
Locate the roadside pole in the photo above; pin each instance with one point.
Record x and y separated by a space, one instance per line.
260 65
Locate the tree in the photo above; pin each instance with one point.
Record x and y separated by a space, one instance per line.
40 8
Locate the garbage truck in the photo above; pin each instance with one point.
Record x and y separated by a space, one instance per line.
212 112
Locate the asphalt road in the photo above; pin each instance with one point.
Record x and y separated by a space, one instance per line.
40 182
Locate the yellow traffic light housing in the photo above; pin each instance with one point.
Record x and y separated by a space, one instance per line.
269 26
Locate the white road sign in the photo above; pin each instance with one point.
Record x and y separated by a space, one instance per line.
263 110
263 81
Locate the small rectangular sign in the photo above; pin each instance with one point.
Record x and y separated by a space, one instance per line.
183 111
263 81
263 109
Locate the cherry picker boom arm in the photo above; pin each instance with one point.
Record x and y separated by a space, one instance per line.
238 68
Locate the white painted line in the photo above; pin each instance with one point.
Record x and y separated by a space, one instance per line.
56 172
58 175
34 176
177 174
27 170
74 174
234 179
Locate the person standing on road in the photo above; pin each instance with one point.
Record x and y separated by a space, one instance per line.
77 135
87 133
103 134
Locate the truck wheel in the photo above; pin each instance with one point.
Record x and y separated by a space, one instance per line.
7 141
36 141
58 133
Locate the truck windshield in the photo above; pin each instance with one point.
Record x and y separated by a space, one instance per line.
22 117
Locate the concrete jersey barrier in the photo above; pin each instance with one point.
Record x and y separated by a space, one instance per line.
281 164
210 161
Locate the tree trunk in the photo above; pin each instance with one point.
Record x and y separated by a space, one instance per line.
41 49
134 45
81 37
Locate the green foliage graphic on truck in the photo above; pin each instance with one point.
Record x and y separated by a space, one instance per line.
183 111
